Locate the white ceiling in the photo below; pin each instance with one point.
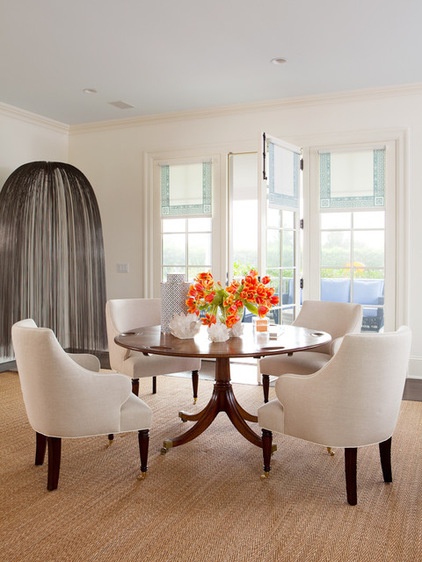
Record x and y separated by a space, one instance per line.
175 55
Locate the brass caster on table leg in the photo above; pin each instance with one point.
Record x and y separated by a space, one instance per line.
265 475
141 476
167 444
330 452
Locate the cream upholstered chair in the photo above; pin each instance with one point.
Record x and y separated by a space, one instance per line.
336 318
65 397
353 401
125 314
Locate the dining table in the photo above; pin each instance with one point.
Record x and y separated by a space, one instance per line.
286 339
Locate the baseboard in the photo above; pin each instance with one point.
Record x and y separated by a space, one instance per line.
415 368
7 366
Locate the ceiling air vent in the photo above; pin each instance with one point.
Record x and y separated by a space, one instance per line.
121 105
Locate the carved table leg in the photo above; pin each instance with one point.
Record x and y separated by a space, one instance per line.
222 400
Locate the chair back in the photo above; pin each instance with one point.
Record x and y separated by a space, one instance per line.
336 318
123 315
62 398
35 354
354 400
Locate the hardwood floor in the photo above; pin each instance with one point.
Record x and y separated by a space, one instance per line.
413 390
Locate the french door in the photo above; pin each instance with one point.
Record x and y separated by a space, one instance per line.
264 219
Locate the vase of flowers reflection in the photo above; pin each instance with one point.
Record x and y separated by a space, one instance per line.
221 308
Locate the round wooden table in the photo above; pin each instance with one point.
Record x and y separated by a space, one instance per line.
150 340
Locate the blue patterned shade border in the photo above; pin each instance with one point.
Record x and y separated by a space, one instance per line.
204 208
374 200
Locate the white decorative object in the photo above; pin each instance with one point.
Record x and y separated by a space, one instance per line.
236 330
173 299
184 326
218 332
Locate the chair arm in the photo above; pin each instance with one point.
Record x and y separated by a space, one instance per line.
98 398
86 360
335 345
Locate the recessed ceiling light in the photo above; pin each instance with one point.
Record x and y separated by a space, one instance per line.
278 60
89 91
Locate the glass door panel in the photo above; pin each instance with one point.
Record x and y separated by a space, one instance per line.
244 214
282 218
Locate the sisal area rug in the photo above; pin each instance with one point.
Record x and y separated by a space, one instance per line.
204 501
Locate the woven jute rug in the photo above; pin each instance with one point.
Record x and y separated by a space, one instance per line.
204 501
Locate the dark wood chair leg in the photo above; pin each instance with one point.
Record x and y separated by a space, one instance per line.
267 440
385 457
135 390
54 456
154 385
195 379
266 386
135 386
40 447
143 440
350 466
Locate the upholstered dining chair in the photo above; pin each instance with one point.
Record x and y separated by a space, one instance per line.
64 397
353 401
336 318
125 314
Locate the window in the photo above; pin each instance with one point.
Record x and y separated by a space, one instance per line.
186 246
352 197
186 226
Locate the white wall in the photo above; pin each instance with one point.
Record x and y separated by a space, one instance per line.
112 156
25 137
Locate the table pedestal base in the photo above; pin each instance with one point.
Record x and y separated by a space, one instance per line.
222 400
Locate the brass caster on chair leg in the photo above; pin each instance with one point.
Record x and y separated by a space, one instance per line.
194 400
330 452
141 476
265 475
110 443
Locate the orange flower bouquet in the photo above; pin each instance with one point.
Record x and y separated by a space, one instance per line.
208 298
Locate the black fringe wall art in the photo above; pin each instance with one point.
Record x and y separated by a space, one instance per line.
52 256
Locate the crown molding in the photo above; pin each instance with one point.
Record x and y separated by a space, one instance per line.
207 113
271 105
32 118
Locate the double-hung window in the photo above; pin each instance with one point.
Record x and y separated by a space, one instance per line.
185 207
